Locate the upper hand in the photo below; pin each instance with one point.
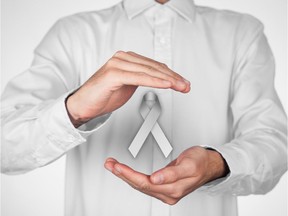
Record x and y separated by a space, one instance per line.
116 81
192 169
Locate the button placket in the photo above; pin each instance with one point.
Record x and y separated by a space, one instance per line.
162 40
163 53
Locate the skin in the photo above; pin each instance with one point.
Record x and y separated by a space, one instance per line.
110 88
192 169
116 81
162 1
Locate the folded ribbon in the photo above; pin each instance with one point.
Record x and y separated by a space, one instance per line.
150 111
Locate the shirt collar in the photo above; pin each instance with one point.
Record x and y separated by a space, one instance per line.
185 8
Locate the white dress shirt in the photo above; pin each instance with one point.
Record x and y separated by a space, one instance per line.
232 107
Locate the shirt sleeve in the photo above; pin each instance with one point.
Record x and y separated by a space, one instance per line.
36 128
257 156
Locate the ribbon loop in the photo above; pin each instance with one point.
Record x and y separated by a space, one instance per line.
150 111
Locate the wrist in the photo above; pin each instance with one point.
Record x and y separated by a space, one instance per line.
217 166
72 109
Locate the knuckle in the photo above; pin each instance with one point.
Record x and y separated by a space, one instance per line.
119 53
159 65
163 65
150 68
155 79
141 74
111 62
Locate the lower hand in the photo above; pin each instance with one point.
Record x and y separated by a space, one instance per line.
192 169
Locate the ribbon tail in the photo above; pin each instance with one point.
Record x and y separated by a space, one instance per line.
144 131
161 140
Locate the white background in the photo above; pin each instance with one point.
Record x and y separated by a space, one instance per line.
24 23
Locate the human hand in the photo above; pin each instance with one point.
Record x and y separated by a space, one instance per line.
192 169
116 81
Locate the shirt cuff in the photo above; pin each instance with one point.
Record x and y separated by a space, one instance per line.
218 185
59 132
93 125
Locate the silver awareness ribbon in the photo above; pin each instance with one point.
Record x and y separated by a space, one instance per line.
150 111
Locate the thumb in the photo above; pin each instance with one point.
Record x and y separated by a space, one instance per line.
170 174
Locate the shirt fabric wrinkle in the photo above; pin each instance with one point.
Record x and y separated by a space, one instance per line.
203 117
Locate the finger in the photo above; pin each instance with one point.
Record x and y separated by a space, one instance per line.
137 67
188 88
145 187
161 66
143 79
168 193
110 163
141 182
180 188
110 159
170 174
155 64
138 180
172 163
121 170
136 58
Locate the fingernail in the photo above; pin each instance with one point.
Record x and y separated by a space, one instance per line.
109 159
187 82
117 169
108 168
158 179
